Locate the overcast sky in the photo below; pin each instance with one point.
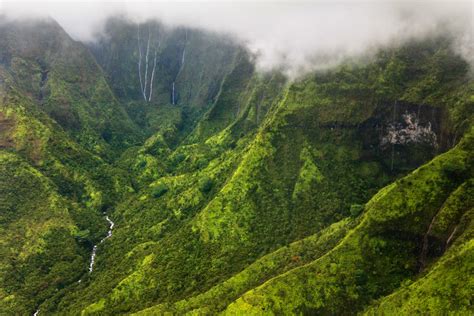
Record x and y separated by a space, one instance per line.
283 32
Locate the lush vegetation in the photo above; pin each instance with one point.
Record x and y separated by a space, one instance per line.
380 253
346 191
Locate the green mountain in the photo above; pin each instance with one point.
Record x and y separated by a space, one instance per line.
230 190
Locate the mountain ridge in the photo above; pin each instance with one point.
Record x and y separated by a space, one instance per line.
230 191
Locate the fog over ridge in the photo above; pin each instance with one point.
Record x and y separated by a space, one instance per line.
298 35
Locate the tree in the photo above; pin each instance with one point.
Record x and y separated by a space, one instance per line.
159 190
356 209
205 184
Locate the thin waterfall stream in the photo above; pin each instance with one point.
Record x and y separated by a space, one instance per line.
94 249
173 97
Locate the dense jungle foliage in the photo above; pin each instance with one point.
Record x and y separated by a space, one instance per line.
235 191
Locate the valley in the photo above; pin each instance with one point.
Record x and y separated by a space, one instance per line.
158 170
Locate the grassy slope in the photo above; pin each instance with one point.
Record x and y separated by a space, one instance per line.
53 189
63 78
283 259
332 175
246 214
38 249
383 251
446 284
266 166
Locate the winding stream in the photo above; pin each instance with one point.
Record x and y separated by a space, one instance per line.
94 250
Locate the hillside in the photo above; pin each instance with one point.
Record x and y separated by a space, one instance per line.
232 190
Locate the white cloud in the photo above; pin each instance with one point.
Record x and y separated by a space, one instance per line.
294 33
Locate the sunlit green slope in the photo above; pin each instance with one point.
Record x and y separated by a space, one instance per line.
345 191
386 248
53 189
431 207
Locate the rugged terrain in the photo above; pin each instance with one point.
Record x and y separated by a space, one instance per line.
348 190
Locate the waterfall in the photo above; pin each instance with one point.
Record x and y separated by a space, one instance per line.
146 61
148 82
140 62
152 77
172 95
183 54
393 145
91 265
94 249
182 57
451 236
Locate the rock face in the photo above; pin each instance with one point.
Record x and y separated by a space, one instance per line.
239 192
409 132
404 135
197 83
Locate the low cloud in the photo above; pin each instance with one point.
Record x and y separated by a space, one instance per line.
297 35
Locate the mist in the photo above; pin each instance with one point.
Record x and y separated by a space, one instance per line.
298 36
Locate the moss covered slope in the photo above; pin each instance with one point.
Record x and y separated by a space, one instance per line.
54 184
239 192
386 250
230 195
63 78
